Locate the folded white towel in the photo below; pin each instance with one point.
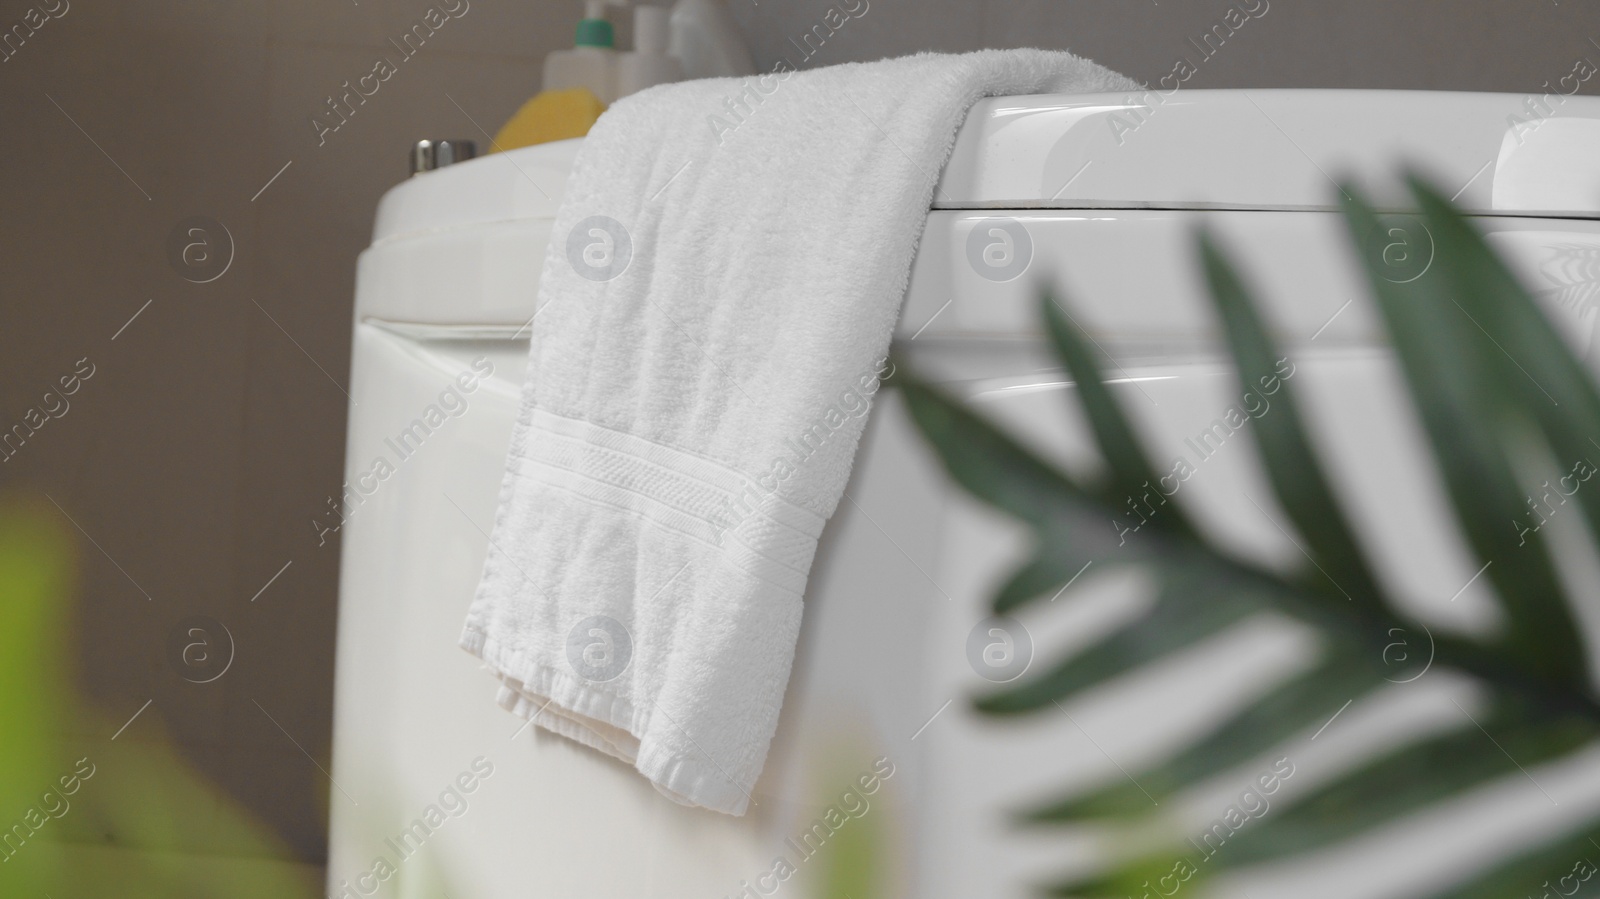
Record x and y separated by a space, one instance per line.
716 304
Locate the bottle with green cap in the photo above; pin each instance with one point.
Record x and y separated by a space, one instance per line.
592 61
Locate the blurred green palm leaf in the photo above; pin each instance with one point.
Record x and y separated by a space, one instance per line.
1489 377
122 830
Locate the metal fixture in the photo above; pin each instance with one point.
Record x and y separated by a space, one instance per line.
428 155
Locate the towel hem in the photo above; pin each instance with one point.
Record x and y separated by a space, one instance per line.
585 712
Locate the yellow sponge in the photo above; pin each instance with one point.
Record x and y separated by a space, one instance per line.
550 115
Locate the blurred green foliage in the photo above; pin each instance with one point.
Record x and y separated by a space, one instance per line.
1498 394
855 863
81 815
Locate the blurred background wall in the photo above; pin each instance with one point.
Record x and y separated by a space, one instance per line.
196 458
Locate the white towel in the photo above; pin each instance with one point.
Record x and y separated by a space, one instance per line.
717 301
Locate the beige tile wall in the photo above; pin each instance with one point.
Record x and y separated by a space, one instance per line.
212 430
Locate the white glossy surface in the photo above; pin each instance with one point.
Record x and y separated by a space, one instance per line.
412 710
1135 274
904 569
1258 149
485 275
1549 164
526 183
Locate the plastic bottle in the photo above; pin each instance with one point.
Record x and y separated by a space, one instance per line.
647 64
706 42
551 115
592 61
